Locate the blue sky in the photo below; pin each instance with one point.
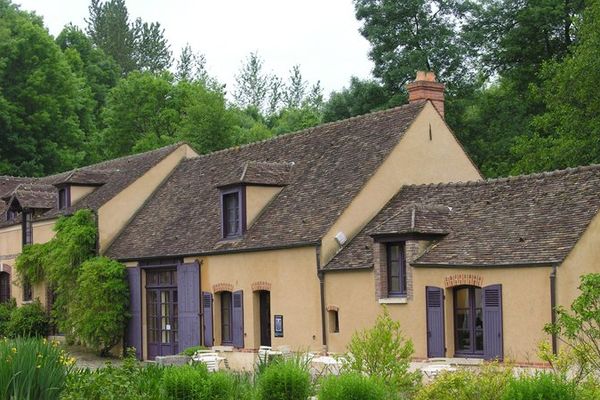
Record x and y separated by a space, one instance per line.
320 35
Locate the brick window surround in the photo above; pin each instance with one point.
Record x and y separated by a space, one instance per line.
380 268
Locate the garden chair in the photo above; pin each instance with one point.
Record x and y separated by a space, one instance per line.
211 360
434 366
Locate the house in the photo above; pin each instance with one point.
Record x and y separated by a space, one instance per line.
114 190
301 239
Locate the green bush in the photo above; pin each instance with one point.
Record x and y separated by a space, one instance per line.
284 380
6 310
32 369
351 386
383 352
29 320
190 351
131 381
544 386
100 304
185 383
221 386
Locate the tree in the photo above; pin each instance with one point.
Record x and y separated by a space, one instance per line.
295 90
152 51
252 84
361 97
412 35
42 103
191 66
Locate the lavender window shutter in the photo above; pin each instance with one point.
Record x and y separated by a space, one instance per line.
134 326
207 313
238 319
492 322
436 343
188 295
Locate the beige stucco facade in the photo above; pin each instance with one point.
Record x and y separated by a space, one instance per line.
427 153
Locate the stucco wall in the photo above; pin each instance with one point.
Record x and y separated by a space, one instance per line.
79 192
416 159
526 306
257 197
118 211
294 287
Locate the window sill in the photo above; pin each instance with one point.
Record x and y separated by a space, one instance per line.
394 300
27 302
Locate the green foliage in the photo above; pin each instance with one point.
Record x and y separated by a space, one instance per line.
42 102
190 351
28 320
100 306
383 352
487 383
295 119
540 386
578 328
186 382
31 263
6 310
361 97
351 386
32 369
132 381
284 380
220 386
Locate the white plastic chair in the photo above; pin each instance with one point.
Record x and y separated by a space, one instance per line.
211 360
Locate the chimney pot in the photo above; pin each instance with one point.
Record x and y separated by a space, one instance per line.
426 87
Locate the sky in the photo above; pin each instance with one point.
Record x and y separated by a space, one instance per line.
320 35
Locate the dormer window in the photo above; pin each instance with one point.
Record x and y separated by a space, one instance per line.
11 215
396 270
64 198
232 212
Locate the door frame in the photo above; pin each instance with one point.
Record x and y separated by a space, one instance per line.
472 325
159 288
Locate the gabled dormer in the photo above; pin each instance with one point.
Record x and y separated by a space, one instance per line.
78 184
245 197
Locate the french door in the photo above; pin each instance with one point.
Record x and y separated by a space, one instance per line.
161 312
468 321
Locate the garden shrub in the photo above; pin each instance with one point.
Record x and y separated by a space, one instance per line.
6 310
32 369
382 351
131 381
100 304
185 383
29 320
284 380
351 386
190 351
546 386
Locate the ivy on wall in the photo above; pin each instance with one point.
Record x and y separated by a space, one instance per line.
69 265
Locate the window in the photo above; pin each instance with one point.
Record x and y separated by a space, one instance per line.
64 198
232 213
334 321
468 320
11 215
226 315
4 287
27 291
27 228
396 270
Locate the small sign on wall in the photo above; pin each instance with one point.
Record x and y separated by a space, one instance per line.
278 325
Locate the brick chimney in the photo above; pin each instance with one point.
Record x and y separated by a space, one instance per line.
426 87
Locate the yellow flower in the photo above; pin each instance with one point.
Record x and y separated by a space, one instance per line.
38 366
14 349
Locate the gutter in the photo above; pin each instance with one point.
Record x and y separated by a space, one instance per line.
553 308
321 275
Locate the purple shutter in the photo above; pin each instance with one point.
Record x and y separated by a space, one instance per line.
436 342
492 322
207 314
238 319
188 307
134 326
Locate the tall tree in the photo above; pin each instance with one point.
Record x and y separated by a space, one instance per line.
252 83
152 51
42 103
412 35
191 66
295 90
361 97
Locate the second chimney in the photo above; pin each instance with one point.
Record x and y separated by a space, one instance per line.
426 87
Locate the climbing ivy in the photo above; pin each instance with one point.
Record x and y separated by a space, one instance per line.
61 262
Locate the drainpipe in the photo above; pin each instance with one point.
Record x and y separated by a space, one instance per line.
553 308
321 276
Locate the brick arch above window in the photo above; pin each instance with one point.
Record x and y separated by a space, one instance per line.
463 279
261 285
5 268
222 287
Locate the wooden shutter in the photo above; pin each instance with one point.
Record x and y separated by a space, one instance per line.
436 342
238 319
134 326
207 317
188 305
492 322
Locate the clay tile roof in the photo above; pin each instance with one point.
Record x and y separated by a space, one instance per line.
331 163
415 218
525 220
33 195
115 175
